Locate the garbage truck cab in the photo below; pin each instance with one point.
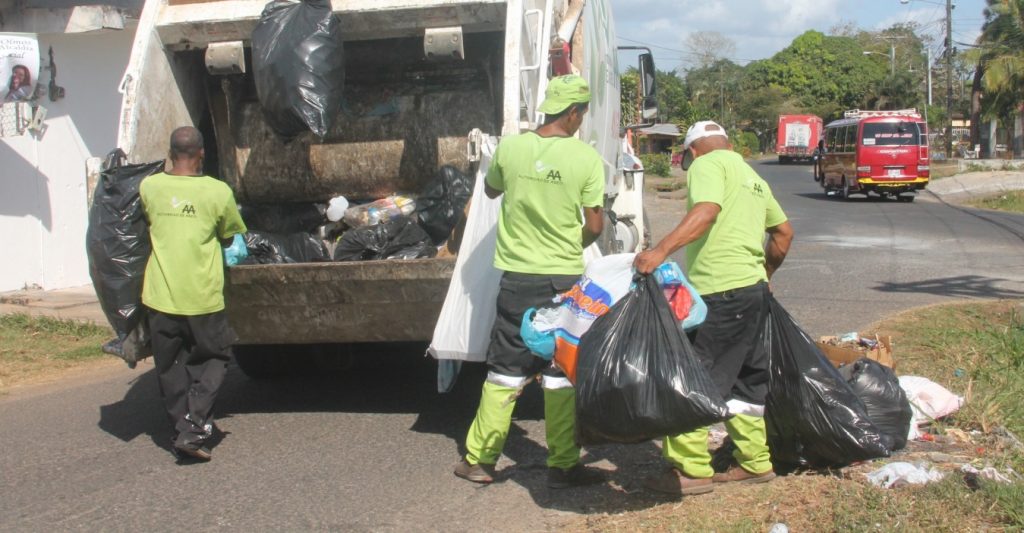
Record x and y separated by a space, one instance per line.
426 84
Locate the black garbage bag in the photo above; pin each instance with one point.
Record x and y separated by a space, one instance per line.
441 207
398 238
814 419
879 388
284 218
637 376
299 66
117 245
269 248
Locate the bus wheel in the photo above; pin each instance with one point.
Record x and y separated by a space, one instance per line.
846 189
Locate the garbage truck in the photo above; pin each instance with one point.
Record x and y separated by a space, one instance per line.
455 74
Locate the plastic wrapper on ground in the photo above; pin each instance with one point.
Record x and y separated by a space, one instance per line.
638 377
272 248
879 388
299 67
440 208
398 238
117 242
813 417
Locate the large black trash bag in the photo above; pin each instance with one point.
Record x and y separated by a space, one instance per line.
398 238
270 248
284 218
118 247
638 377
813 417
441 207
299 66
879 388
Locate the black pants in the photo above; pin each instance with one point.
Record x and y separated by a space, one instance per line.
507 354
729 342
191 355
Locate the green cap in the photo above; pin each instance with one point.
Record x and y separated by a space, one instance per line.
564 91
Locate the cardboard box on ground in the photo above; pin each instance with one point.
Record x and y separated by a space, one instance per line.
849 352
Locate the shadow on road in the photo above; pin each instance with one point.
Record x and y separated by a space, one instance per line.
406 383
957 286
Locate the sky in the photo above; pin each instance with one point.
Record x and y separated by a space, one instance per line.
761 28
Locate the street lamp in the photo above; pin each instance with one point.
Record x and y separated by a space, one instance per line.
891 55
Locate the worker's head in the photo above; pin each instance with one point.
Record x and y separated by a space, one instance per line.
703 137
187 148
566 100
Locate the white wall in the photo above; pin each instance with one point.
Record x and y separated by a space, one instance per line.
43 212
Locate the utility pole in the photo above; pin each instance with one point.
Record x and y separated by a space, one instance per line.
892 58
929 67
949 79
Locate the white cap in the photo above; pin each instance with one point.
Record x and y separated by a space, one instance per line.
702 129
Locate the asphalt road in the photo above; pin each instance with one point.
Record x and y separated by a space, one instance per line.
372 449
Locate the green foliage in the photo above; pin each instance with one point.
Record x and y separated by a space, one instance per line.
744 142
656 164
1008 201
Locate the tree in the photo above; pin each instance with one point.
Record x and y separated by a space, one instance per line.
1001 60
709 47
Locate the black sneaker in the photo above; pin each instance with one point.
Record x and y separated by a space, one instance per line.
201 453
478 473
577 476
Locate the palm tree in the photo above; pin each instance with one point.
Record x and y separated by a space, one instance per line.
1000 58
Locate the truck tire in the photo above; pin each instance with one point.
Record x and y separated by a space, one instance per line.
906 197
846 190
262 361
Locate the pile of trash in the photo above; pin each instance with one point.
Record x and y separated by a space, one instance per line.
394 227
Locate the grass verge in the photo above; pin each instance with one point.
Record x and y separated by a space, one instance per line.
976 350
1007 201
34 347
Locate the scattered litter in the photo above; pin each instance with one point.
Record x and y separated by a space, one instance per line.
779 527
929 400
989 473
900 474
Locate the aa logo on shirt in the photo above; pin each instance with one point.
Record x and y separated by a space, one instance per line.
183 208
550 175
755 187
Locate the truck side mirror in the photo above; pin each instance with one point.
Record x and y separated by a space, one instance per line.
648 88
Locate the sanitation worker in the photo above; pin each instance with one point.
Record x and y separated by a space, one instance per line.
730 208
190 216
552 188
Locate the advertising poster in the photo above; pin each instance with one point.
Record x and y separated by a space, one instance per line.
19 66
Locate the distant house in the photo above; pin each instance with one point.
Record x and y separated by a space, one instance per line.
43 205
657 139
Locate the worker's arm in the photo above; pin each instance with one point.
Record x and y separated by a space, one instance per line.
775 250
491 192
695 224
593 223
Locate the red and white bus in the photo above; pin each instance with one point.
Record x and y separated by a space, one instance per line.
879 152
797 137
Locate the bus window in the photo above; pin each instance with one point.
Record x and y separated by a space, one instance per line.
891 134
851 138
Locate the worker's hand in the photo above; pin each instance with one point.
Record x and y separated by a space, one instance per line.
647 261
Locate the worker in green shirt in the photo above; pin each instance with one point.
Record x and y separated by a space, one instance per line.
552 189
730 208
190 217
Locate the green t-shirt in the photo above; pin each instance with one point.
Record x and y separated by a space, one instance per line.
188 215
731 254
546 182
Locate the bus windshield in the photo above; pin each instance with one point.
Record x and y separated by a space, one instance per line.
891 134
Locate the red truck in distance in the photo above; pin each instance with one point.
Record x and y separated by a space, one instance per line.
797 137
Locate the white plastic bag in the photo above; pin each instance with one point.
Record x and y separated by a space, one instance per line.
900 473
929 400
463 330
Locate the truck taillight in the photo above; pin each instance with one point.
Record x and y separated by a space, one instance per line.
924 170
